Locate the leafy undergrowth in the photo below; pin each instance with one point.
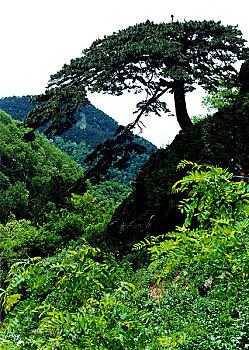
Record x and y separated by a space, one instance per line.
82 300
193 295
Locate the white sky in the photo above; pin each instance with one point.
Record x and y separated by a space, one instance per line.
39 36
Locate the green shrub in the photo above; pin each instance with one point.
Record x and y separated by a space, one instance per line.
215 232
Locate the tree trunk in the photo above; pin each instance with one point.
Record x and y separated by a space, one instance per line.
180 105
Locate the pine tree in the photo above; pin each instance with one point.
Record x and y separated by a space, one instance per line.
155 58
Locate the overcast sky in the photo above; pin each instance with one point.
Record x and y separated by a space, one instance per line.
39 36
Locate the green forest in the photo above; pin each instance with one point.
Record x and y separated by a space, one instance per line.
108 242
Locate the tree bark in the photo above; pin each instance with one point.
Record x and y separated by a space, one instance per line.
180 105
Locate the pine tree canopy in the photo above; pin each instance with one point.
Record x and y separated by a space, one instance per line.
147 57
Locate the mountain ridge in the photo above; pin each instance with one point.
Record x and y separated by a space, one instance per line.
93 127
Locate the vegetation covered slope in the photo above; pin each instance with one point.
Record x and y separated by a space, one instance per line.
92 128
220 140
28 170
81 298
44 200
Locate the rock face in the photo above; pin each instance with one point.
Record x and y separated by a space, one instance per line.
221 140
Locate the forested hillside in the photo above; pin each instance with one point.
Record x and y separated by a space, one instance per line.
27 171
92 128
44 198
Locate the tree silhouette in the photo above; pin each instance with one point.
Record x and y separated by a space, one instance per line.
154 58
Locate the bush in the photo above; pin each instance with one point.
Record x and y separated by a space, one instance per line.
215 232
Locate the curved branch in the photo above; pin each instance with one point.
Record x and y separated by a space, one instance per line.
158 93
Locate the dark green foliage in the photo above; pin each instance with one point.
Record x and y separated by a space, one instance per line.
4 181
92 127
110 192
149 57
17 107
27 170
115 152
85 217
14 199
